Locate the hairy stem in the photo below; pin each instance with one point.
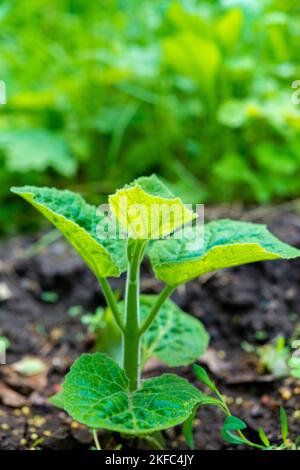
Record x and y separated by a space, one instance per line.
131 336
164 294
111 302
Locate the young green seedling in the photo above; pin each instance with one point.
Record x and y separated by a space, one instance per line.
98 391
233 427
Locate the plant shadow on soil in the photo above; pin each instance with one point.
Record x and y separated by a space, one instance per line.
234 305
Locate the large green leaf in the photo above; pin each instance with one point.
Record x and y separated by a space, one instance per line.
195 57
226 243
96 393
78 221
174 337
147 209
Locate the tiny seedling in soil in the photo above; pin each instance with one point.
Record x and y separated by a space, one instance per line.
280 357
233 427
100 392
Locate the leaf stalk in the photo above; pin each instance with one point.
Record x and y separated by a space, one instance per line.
111 302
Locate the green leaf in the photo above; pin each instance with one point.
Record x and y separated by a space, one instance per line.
96 393
284 423
201 374
294 364
147 209
226 243
232 423
195 57
78 222
187 429
57 400
174 337
263 437
36 150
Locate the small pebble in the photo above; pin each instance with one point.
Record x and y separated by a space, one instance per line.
221 354
37 421
75 425
256 412
47 433
296 414
4 426
228 400
290 293
239 401
285 393
34 436
23 442
25 410
5 292
265 400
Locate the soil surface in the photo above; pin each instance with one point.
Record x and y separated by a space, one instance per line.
249 304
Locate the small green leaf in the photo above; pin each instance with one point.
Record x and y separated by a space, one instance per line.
201 374
174 337
148 210
187 429
232 423
226 243
96 393
78 222
263 437
284 423
294 364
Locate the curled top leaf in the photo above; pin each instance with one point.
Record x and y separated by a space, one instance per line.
226 243
147 209
78 220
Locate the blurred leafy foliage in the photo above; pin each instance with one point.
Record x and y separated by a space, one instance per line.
101 92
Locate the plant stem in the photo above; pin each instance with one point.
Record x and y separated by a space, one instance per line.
111 302
131 335
239 432
164 294
96 440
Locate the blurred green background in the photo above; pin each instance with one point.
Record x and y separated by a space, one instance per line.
99 92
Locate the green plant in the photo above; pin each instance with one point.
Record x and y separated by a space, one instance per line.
98 391
280 357
234 428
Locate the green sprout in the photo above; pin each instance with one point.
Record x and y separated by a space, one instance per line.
99 391
233 428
